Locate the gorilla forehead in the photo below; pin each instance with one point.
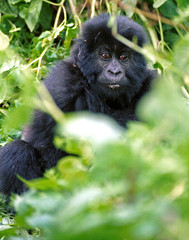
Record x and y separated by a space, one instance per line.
96 30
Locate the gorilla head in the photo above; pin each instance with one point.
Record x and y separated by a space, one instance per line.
112 69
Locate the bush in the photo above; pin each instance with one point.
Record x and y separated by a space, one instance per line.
122 184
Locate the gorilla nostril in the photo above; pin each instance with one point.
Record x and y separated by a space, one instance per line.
114 72
117 73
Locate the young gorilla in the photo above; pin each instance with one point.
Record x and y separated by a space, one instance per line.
101 75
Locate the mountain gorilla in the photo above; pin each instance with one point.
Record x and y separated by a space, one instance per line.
101 75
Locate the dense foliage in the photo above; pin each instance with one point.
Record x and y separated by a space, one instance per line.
124 184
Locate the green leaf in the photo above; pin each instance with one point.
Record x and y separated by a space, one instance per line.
131 3
182 3
45 34
7 9
181 57
46 16
171 37
4 41
30 13
158 3
113 162
13 2
71 32
168 9
92 127
16 80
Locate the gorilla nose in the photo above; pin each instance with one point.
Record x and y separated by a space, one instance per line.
114 72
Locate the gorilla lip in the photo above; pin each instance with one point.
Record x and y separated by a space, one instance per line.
113 86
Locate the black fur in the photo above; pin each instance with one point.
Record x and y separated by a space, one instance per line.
79 84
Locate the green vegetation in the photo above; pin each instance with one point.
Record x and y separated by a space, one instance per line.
132 184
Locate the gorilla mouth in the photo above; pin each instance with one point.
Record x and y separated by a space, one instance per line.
113 86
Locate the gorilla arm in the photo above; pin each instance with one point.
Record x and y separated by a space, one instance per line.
31 156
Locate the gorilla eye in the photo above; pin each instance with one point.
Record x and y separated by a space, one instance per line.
105 56
123 57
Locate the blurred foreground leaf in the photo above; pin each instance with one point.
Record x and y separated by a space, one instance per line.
17 89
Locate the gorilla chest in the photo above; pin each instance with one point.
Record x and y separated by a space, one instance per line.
123 116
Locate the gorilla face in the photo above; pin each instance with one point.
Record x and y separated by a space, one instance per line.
121 71
113 65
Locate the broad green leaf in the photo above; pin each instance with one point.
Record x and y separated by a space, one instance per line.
71 32
45 17
4 41
30 13
6 8
13 80
13 2
158 3
92 127
170 37
131 3
181 56
45 34
156 109
182 3
168 9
